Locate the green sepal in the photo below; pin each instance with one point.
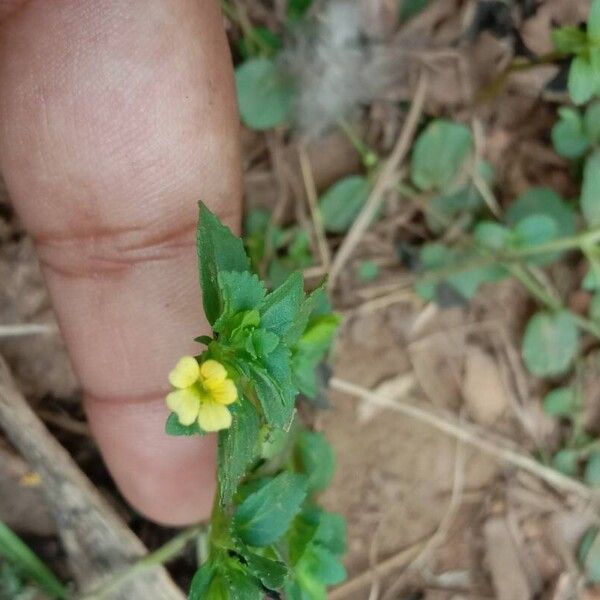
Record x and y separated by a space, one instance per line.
174 427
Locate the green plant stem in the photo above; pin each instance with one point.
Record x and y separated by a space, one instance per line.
15 551
369 157
233 14
164 554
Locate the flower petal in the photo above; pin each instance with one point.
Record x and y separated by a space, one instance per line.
223 392
185 373
212 370
214 417
185 404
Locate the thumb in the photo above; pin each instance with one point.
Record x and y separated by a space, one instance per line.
116 118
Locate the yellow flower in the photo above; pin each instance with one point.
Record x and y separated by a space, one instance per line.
202 393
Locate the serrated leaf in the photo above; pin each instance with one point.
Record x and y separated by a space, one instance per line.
265 516
264 94
218 250
560 402
240 292
280 308
582 80
315 459
272 573
260 343
439 154
174 427
550 343
592 470
276 406
590 190
201 582
342 202
569 136
238 448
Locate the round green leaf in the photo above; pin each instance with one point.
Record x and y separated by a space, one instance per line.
550 343
569 135
560 402
566 462
543 201
582 80
342 202
367 270
590 190
439 154
492 235
534 230
264 95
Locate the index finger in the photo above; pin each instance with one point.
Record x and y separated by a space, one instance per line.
117 117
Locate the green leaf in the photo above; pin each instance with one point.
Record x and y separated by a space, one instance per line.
368 270
566 462
331 532
591 281
265 516
242 586
533 231
323 566
240 291
442 209
569 136
281 307
590 190
174 427
264 94
260 343
560 402
238 448
591 122
342 202
569 40
593 23
315 459
201 582
277 406
550 343
491 235
272 573
592 470
14 550
582 80
543 201
439 154
594 310
218 250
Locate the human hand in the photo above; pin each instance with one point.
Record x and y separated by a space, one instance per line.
116 118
